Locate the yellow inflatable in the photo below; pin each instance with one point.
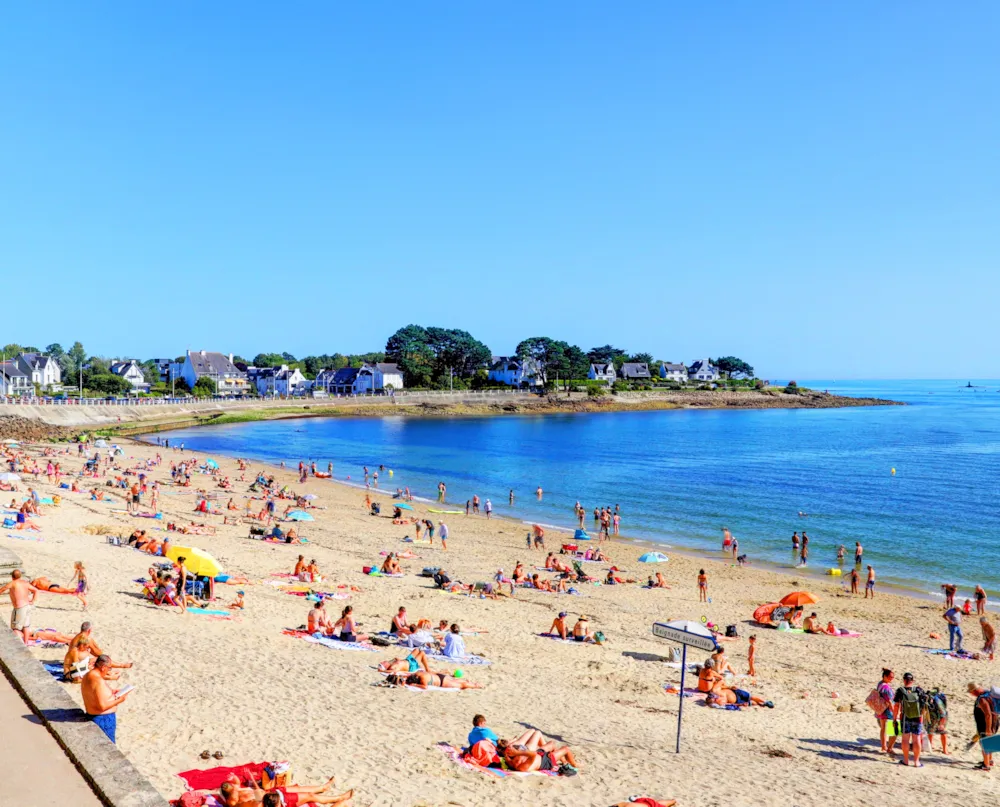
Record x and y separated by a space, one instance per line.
833 572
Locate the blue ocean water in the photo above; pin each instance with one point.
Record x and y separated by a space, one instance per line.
680 476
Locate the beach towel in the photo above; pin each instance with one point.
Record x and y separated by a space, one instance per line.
25 537
464 661
55 669
333 644
384 685
556 637
456 756
209 612
212 778
963 655
689 692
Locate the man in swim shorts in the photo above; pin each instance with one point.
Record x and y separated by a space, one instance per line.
22 597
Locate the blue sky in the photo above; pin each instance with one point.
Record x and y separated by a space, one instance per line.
810 186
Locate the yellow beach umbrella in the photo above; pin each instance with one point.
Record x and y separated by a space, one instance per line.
197 561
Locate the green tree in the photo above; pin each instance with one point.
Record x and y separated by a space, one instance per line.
269 360
106 383
579 364
642 358
55 350
408 347
733 367
604 353
12 350
77 356
204 386
287 358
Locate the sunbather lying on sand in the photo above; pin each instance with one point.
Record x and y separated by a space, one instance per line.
531 752
412 663
724 695
49 635
230 794
423 679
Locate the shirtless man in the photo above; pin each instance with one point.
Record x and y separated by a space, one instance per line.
519 575
558 627
870 583
531 752
80 658
661 581
300 567
391 565
22 597
811 624
100 702
726 695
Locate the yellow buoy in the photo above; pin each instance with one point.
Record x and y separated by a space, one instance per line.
833 572
893 471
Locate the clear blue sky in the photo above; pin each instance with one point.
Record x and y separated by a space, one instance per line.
810 186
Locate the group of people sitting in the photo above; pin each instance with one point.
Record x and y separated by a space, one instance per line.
711 680
525 754
344 629
579 633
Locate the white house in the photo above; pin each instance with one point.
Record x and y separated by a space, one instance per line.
41 369
635 371
13 380
515 372
227 377
703 370
278 381
601 371
378 377
131 372
674 372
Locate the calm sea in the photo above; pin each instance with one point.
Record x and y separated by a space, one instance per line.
681 476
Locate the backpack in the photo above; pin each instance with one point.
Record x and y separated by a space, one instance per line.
937 706
911 700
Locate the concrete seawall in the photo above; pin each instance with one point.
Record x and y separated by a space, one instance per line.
98 415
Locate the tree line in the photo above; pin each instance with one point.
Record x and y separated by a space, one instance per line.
429 356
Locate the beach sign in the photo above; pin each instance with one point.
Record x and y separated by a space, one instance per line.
687 634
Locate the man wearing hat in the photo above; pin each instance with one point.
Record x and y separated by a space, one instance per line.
908 706
559 626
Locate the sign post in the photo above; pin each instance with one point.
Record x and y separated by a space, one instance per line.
685 634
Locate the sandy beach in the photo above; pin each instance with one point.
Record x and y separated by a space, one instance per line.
241 687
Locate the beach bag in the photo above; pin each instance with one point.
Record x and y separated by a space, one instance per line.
674 655
910 700
483 754
876 702
731 631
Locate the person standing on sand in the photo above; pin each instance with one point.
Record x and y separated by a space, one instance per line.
475 504
488 509
22 597
870 583
854 581
908 707
989 636
752 657
444 534
980 600
950 589
884 688
953 616
736 548
702 586
182 583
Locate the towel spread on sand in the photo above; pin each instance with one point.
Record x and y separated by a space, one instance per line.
469 661
333 644
212 778
963 655
210 612
55 669
456 756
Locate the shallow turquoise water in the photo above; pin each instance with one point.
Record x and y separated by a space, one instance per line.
680 476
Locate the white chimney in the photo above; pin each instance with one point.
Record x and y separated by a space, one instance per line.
230 358
202 352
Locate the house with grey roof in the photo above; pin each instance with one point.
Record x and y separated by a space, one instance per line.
278 381
673 372
41 369
227 377
517 372
703 370
634 371
13 380
131 372
602 371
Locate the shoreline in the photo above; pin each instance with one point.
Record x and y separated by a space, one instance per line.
814 573
607 702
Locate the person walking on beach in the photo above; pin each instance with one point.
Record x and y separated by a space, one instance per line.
475 504
870 583
702 586
100 702
80 578
908 708
986 712
444 534
488 508
953 616
182 574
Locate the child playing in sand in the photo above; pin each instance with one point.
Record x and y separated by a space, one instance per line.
237 604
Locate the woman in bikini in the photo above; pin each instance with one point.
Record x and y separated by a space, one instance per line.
347 627
530 752
423 679
417 660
